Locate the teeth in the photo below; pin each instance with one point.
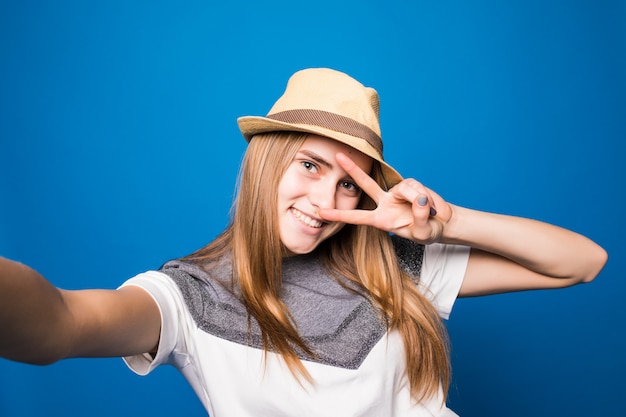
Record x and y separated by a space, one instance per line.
306 219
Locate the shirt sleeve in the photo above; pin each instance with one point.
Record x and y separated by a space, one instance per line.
175 323
443 270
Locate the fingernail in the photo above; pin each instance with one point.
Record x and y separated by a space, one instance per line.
433 212
422 200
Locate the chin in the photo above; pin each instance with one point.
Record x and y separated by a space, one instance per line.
298 250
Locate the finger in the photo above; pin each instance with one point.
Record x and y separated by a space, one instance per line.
443 208
413 191
361 217
407 190
425 198
423 203
362 179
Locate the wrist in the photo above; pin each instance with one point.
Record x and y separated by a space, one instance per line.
452 230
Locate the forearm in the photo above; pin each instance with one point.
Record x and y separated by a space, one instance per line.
540 247
31 315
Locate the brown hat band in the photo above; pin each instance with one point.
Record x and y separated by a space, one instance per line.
332 121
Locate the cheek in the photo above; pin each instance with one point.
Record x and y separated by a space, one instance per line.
289 186
347 203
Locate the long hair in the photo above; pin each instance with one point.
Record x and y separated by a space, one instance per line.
362 254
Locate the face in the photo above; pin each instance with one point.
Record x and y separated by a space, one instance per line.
312 181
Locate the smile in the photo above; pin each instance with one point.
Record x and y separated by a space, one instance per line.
303 218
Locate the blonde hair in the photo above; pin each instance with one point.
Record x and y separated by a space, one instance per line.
362 254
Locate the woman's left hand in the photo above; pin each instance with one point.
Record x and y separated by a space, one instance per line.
408 209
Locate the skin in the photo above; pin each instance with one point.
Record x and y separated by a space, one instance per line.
313 181
508 254
47 324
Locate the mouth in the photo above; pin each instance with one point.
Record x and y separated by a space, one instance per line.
305 219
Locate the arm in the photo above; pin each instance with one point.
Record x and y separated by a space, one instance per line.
41 324
513 254
508 253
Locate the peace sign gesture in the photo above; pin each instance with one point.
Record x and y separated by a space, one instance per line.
409 209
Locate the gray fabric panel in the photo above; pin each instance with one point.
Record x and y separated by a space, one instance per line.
410 256
339 325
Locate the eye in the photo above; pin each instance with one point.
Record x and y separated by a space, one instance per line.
350 186
309 166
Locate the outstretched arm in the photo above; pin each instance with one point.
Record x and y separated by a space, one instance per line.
41 324
508 253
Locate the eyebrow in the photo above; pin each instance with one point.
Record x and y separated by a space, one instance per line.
317 158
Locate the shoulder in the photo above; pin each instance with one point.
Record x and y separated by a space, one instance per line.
211 272
194 279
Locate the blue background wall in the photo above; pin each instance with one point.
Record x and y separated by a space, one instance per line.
119 150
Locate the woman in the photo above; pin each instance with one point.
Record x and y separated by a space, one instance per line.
324 295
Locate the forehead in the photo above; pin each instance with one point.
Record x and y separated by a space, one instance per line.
328 148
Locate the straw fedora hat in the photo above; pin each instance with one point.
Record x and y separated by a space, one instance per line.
327 103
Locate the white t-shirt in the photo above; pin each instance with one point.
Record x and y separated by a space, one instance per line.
359 370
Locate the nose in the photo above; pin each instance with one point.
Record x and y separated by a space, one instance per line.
322 194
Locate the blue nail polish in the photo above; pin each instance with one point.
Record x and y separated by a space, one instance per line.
433 212
422 200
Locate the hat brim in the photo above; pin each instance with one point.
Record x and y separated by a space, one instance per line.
253 125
